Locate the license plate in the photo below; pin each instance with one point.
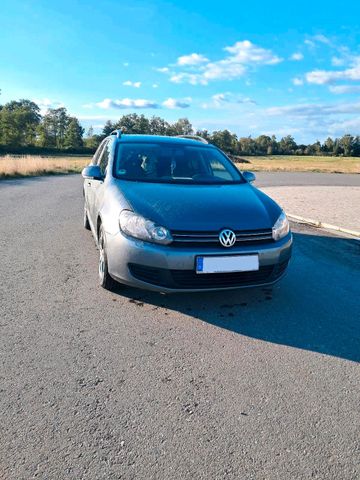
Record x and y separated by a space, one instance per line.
228 263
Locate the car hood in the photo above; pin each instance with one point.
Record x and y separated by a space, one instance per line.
201 207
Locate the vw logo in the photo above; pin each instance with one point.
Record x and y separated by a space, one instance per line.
227 238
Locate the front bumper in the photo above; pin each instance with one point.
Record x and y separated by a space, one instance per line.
172 269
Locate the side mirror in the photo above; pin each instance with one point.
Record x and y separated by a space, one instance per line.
92 172
249 176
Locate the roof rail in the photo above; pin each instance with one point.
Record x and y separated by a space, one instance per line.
194 137
117 132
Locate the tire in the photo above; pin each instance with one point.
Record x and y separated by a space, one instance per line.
105 280
86 220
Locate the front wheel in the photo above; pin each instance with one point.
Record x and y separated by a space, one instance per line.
104 277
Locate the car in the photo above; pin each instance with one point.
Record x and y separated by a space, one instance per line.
174 214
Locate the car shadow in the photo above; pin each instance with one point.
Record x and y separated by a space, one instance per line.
314 307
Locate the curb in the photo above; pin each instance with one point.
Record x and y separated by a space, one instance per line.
326 226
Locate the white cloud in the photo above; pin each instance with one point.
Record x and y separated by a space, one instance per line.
246 52
314 110
344 126
129 83
192 59
222 70
240 56
108 103
45 103
282 131
174 103
163 69
320 38
227 100
323 77
140 103
126 64
338 89
155 85
337 62
192 78
309 43
297 81
297 56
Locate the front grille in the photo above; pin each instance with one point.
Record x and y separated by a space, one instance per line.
211 238
189 279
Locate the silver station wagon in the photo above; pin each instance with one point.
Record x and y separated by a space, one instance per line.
173 214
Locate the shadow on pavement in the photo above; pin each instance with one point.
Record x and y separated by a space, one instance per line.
315 307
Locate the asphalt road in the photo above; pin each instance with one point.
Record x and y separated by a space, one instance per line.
251 384
277 179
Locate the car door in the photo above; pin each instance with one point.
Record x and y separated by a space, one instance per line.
89 184
98 185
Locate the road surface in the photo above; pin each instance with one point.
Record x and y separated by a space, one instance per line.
251 384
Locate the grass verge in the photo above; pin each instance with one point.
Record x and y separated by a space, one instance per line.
12 166
292 163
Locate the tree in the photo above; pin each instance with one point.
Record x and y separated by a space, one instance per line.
158 126
18 123
247 146
51 131
287 145
225 140
134 123
263 144
181 127
92 140
329 145
356 146
108 128
347 144
73 134
337 147
204 134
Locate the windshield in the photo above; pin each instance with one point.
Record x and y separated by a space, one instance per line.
173 163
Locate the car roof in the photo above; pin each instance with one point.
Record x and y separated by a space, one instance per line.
161 139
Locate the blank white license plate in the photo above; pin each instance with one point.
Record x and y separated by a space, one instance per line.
229 263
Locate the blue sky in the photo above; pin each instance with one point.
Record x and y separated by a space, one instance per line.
252 67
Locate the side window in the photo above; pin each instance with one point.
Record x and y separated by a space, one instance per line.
98 153
105 155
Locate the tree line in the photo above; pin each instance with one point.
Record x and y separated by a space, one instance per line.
22 126
347 145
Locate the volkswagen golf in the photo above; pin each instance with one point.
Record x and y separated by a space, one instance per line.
174 214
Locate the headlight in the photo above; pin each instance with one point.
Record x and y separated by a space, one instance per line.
281 227
139 227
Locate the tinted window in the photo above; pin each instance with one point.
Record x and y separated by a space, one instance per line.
173 163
